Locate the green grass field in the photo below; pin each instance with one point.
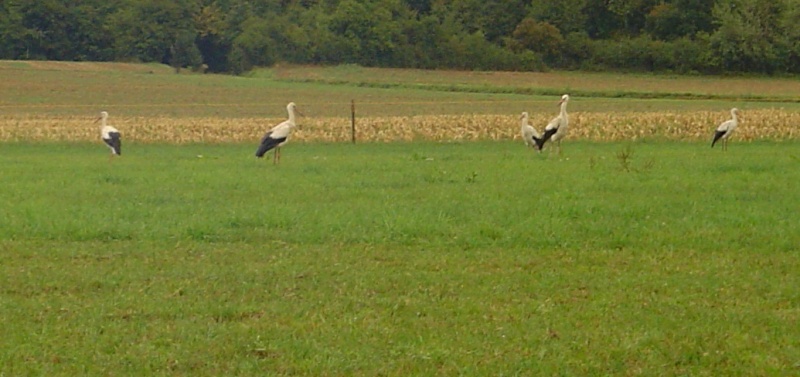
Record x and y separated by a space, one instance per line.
644 258
401 259
579 84
57 88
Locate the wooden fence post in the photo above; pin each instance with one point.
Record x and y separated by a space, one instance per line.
353 120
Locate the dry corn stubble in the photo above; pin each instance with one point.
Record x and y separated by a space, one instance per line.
769 124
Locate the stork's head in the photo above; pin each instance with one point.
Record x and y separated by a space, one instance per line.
103 116
564 98
735 114
292 109
524 115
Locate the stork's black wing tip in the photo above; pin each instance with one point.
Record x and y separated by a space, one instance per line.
717 136
539 143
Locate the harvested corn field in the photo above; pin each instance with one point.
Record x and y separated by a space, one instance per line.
757 124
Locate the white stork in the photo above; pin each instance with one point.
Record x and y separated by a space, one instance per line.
557 128
726 129
110 135
278 135
529 134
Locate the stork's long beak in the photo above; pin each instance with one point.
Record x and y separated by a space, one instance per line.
98 119
559 103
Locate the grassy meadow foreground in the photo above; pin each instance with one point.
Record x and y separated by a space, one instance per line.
437 245
401 259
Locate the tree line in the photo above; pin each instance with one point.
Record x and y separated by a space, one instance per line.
683 36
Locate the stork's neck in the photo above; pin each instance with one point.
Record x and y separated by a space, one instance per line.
564 109
733 115
291 116
524 122
102 122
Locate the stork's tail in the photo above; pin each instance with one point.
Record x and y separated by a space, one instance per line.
539 143
265 146
717 136
547 135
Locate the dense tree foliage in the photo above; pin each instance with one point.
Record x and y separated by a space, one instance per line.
707 36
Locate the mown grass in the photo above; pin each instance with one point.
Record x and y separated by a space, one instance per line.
400 259
58 88
583 84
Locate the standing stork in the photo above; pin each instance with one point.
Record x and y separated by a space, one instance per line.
529 134
726 129
110 135
557 128
278 135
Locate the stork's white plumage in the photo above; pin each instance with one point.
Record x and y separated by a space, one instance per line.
529 134
110 135
278 135
557 128
725 129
